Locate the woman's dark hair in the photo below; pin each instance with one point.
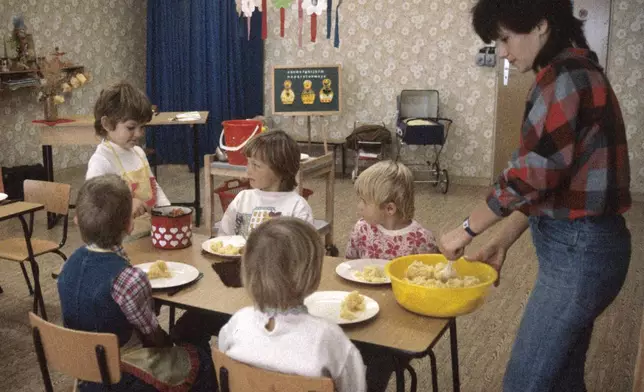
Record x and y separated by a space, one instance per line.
522 16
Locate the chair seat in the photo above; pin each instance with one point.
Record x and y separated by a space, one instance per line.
16 248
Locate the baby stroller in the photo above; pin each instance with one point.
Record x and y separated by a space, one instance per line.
369 142
419 124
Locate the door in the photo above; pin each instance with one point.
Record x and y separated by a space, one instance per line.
511 93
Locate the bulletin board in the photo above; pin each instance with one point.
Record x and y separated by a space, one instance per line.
307 90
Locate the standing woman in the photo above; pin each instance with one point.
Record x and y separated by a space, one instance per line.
568 181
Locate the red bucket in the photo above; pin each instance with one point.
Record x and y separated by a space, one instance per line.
171 227
238 133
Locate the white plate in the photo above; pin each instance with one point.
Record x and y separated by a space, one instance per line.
181 274
304 157
235 240
348 269
3 196
326 304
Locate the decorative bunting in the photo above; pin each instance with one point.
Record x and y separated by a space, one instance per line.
336 39
300 22
314 8
282 5
329 14
264 20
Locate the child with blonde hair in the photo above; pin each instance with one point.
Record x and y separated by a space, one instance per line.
273 163
120 113
282 265
386 228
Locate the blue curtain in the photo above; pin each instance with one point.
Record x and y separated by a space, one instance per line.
200 58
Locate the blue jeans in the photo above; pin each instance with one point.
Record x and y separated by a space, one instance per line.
582 267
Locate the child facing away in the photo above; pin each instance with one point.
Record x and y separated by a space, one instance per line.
386 228
273 163
120 113
101 292
282 265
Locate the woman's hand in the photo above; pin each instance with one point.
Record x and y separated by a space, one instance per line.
493 254
138 208
452 244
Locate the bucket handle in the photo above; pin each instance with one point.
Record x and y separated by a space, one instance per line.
225 148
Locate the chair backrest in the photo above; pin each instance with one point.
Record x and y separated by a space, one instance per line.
234 376
418 103
54 196
76 353
1 181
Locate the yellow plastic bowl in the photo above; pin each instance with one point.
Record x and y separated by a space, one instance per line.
439 301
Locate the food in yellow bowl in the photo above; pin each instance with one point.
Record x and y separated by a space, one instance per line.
352 304
372 274
438 301
159 269
230 249
432 276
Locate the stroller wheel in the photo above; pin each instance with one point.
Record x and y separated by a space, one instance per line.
443 181
435 171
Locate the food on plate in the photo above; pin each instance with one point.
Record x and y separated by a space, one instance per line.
229 250
372 274
159 270
352 304
430 276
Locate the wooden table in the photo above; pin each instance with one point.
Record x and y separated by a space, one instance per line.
394 328
81 132
19 210
323 166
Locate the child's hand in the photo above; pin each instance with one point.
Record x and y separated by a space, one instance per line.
138 208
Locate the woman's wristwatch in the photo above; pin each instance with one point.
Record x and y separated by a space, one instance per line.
466 227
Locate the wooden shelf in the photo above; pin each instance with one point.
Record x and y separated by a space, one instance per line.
18 75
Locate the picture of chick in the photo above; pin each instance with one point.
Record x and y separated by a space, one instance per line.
287 96
308 95
326 93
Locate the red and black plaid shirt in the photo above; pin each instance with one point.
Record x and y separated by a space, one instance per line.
573 157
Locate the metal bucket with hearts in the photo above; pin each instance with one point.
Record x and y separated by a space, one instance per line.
171 227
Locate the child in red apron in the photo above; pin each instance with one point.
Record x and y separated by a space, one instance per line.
120 112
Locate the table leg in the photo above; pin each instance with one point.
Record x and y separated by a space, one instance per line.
38 299
171 318
195 150
48 162
456 381
400 375
343 161
153 144
432 361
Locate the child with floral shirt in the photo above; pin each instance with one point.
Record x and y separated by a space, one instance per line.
386 229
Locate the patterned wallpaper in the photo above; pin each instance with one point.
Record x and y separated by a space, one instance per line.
390 45
387 45
107 37
626 70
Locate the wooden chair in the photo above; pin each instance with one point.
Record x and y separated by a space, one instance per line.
55 198
638 378
234 376
86 356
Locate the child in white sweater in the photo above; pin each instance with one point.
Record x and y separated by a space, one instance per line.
282 264
273 163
